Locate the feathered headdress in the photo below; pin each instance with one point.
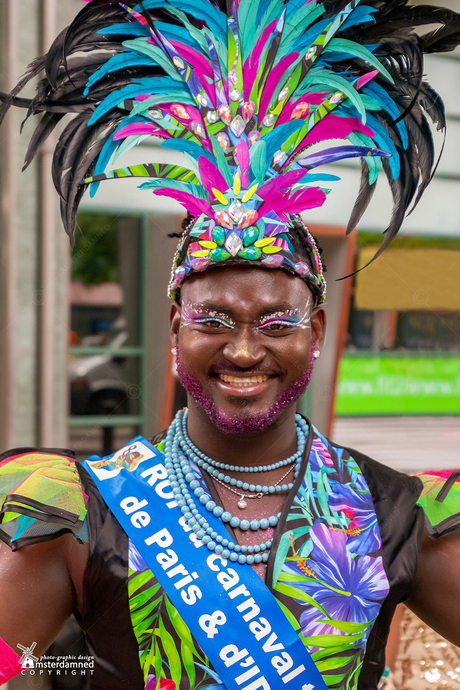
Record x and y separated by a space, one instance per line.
243 91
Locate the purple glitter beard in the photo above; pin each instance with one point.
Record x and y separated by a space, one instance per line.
257 422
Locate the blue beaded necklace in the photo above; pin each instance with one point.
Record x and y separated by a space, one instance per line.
179 452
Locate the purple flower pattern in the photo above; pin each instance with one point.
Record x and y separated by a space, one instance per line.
333 567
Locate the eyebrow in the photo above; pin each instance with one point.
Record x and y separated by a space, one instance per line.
208 305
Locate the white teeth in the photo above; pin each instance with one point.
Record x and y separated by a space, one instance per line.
243 381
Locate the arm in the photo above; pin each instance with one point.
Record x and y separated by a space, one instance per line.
40 585
436 593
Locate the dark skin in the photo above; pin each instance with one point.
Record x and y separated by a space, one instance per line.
245 295
40 585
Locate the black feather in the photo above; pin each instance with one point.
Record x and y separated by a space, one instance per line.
41 134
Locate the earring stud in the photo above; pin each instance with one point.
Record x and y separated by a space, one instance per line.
316 354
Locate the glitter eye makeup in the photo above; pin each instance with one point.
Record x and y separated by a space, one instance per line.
197 315
283 319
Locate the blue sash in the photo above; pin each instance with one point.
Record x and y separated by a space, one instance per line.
231 613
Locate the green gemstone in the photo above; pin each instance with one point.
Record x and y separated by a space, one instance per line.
218 235
220 254
251 253
249 236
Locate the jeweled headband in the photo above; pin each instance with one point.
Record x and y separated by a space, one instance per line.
288 245
243 89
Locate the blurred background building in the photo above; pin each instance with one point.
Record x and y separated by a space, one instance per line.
85 357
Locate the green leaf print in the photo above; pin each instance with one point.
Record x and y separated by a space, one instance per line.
301 596
187 660
290 616
346 641
345 626
171 653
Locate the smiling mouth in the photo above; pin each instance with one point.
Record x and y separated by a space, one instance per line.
243 380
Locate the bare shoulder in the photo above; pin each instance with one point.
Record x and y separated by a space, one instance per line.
40 585
436 591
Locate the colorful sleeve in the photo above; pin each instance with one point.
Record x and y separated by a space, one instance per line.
440 501
40 497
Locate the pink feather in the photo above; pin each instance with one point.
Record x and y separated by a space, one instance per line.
201 68
251 66
273 81
211 176
365 78
278 186
191 203
138 128
297 202
242 156
335 127
310 98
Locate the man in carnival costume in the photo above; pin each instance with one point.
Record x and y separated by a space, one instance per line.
239 549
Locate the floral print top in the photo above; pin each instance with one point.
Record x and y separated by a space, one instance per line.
343 556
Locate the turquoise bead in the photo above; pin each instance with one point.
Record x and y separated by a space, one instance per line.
218 235
250 235
250 253
220 254
179 452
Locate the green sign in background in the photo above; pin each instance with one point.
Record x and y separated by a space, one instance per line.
372 384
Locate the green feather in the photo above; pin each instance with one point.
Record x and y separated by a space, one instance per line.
297 24
127 144
247 15
341 45
335 83
258 160
193 31
142 46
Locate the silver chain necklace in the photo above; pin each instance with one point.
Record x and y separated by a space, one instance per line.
242 502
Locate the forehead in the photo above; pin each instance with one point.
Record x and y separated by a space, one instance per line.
241 289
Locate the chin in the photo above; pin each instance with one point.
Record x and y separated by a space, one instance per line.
243 421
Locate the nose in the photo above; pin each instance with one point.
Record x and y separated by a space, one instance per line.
244 349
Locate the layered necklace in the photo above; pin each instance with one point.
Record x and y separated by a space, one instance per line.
180 452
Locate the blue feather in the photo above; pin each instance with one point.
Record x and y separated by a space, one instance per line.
120 61
385 142
159 84
276 138
376 91
178 33
361 14
200 9
108 150
190 147
128 29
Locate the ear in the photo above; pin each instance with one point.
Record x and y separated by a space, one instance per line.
318 327
174 323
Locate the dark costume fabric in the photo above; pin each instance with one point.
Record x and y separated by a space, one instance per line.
344 555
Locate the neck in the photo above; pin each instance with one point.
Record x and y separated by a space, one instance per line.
273 444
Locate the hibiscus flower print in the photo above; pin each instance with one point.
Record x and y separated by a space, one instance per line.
356 502
348 589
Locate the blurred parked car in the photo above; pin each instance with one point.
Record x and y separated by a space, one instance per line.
98 383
